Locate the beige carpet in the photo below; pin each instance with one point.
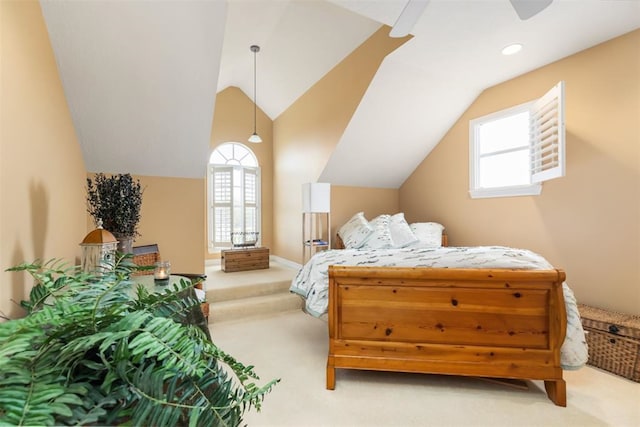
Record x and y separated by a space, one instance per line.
293 347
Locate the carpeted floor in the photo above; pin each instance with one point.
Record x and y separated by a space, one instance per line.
293 347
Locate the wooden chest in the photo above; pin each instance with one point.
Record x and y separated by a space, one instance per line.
614 341
244 259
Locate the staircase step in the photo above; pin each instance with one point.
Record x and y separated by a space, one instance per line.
228 293
245 294
243 308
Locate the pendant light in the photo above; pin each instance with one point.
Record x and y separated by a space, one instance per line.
255 138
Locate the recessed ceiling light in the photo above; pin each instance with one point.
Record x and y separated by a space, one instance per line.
512 48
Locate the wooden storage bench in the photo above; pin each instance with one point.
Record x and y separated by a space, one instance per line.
614 341
244 259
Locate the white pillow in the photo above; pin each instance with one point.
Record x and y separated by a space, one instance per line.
355 231
401 233
381 236
429 234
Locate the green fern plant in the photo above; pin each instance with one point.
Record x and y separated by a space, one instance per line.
96 350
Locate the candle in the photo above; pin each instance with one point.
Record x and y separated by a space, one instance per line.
162 270
161 273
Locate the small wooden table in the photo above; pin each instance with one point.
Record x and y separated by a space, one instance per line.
243 259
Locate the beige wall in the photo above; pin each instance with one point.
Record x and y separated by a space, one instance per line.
42 173
588 222
346 201
233 122
308 131
172 215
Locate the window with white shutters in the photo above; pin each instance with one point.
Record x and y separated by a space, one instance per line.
511 152
234 194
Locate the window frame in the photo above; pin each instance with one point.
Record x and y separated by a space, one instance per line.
235 170
536 109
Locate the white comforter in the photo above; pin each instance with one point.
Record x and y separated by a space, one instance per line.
312 281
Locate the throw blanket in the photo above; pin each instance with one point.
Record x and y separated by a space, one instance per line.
312 281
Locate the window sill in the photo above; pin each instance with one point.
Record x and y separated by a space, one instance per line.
520 190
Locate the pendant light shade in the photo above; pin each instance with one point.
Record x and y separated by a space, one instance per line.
255 138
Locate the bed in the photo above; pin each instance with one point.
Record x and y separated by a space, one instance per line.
492 312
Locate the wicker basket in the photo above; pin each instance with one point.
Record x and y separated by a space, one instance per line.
614 341
145 256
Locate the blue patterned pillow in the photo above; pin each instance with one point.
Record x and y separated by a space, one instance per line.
401 233
355 232
381 236
429 234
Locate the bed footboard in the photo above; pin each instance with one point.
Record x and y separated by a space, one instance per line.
473 322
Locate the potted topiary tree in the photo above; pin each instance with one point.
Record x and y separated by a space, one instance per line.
115 201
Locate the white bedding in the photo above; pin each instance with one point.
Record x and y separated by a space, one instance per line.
312 281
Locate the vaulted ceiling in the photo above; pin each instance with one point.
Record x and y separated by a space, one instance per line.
140 77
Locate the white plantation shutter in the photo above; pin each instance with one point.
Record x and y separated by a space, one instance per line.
222 203
547 136
251 199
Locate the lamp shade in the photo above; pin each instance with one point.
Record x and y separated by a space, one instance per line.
316 197
255 138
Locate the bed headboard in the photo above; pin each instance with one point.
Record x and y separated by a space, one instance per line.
339 244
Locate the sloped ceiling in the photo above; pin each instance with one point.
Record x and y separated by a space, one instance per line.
140 80
141 76
423 87
300 42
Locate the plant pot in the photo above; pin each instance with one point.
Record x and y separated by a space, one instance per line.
125 243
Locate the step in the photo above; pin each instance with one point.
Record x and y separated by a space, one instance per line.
276 271
244 308
228 293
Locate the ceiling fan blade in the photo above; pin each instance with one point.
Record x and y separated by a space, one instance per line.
528 8
408 17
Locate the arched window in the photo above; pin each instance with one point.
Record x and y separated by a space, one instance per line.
234 193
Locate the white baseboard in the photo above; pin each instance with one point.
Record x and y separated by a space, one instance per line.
212 262
285 262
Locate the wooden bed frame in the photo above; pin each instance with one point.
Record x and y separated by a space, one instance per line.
495 323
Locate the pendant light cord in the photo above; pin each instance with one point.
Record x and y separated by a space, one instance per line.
255 138
255 50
